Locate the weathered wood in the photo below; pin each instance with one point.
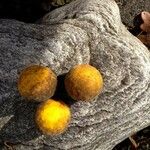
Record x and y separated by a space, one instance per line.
84 31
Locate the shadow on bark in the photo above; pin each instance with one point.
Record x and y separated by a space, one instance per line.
61 93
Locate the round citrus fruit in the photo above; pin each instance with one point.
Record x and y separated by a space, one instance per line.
37 83
53 117
83 82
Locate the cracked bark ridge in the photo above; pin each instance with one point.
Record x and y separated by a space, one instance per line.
84 31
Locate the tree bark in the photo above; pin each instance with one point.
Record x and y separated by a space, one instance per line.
84 31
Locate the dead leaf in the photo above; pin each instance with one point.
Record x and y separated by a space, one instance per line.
144 36
146 21
145 39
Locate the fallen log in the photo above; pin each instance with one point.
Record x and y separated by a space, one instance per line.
83 31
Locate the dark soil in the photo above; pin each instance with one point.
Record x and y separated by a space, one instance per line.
32 10
23 10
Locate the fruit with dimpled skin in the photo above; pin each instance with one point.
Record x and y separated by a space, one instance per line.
37 83
83 82
53 117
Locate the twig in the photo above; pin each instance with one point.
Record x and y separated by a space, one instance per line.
134 144
9 147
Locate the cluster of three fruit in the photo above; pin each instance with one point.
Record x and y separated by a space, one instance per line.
38 83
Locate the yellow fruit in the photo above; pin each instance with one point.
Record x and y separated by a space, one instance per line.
53 117
37 83
83 82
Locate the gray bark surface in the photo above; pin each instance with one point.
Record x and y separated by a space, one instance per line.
84 31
